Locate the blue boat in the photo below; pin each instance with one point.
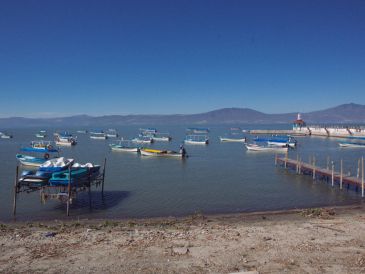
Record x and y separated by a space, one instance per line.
36 147
278 141
79 176
55 165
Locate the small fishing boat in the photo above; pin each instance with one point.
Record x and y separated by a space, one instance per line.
196 140
98 135
65 139
82 131
280 141
161 137
255 147
36 147
197 130
6 136
143 140
226 139
112 133
145 131
352 145
124 146
41 134
162 153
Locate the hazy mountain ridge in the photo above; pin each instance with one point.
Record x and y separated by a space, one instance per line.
346 113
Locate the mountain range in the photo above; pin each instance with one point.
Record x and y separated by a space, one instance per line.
346 113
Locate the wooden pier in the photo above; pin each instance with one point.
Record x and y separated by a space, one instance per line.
328 174
64 194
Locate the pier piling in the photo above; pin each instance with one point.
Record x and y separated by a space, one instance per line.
362 176
15 190
324 174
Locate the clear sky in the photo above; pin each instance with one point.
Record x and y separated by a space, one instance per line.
156 57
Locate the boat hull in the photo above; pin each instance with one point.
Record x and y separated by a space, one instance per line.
232 140
267 149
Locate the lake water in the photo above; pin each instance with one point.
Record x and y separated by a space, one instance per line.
217 178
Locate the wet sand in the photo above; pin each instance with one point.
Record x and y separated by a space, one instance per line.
325 240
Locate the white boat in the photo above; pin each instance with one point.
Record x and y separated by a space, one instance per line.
82 131
254 147
41 134
197 130
112 133
6 136
98 135
126 147
65 140
161 153
281 144
196 140
352 145
225 139
142 140
161 137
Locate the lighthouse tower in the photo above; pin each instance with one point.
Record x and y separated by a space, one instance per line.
298 123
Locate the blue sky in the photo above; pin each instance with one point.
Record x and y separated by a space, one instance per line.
156 57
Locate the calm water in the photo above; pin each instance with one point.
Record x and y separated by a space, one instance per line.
217 178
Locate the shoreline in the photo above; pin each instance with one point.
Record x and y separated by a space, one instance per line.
312 240
65 219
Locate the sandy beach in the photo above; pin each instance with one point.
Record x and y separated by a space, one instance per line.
325 240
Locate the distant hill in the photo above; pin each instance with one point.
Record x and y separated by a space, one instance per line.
347 113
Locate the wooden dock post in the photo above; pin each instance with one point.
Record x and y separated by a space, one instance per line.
15 190
341 174
314 167
276 159
328 162
102 184
297 166
362 176
68 192
333 173
300 165
358 168
286 159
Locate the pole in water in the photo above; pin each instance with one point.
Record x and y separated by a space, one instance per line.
102 184
15 190
362 176
314 167
276 159
333 173
68 191
358 168
341 175
328 162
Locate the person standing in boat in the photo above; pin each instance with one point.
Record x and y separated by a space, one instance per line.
182 150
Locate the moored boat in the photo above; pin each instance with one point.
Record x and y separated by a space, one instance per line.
41 134
161 137
36 148
255 147
280 141
352 145
196 140
6 136
98 135
65 139
162 153
226 139
198 130
112 133
142 140
124 146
